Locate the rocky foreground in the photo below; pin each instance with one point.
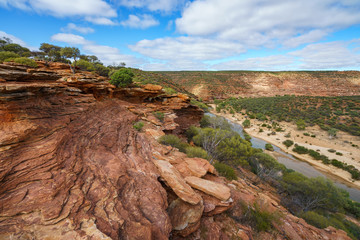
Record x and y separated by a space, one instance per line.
73 167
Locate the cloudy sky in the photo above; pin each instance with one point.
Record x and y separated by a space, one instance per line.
195 35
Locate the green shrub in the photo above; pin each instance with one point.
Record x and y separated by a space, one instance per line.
169 91
246 123
339 153
174 141
159 115
138 125
269 147
307 134
201 105
6 55
247 137
300 124
23 61
300 149
288 143
122 77
332 150
225 170
196 152
315 219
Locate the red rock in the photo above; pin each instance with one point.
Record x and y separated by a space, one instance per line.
174 179
152 87
185 217
217 190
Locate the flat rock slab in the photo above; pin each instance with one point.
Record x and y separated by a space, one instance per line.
174 179
217 190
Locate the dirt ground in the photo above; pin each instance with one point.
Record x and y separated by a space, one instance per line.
342 143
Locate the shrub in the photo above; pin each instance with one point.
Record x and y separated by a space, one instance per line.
339 153
159 115
138 125
201 105
6 55
196 152
225 170
332 150
315 219
300 149
246 123
23 61
169 91
288 143
247 137
300 124
122 77
191 132
174 141
269 147
307 134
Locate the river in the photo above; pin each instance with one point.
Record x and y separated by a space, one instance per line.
293 163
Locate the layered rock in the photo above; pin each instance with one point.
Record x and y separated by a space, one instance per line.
73 167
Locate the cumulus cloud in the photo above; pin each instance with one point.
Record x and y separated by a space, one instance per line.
69 38
94 9
153 5
330 55
107 54
142 21
17 40
13 38
73 27
183 48
260 22
270 63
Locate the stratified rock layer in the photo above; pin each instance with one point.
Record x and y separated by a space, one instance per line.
73 167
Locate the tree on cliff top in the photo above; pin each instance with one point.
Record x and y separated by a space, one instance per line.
70 52
122 77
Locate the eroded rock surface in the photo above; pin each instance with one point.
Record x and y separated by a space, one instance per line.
73 167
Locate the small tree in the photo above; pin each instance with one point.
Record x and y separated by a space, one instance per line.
70 52
122 77
300 124
246 123
332 132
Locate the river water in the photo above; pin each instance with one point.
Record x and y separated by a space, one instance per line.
293 163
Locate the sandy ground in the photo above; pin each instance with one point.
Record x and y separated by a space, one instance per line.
321 143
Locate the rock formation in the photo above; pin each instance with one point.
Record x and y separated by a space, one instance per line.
225 84
73 167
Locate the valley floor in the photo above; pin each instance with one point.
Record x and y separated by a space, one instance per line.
321 143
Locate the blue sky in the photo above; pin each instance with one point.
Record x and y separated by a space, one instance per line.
194 35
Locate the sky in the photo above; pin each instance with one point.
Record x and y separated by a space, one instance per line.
194 35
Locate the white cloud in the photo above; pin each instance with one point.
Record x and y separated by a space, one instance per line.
183 48
93 9
107 54
270 63
331 55
142 21
17 40
13 38
309 37
259 22
100 20
153 5
69 38
73 27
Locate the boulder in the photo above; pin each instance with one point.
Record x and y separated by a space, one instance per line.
217 190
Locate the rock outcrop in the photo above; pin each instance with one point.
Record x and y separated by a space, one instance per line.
73 167
225 84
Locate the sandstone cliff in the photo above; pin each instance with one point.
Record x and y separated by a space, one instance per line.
73 167
224 84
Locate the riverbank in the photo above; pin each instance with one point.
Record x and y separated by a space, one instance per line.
321 143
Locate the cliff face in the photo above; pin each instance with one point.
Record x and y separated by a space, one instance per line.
73 167
209 85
